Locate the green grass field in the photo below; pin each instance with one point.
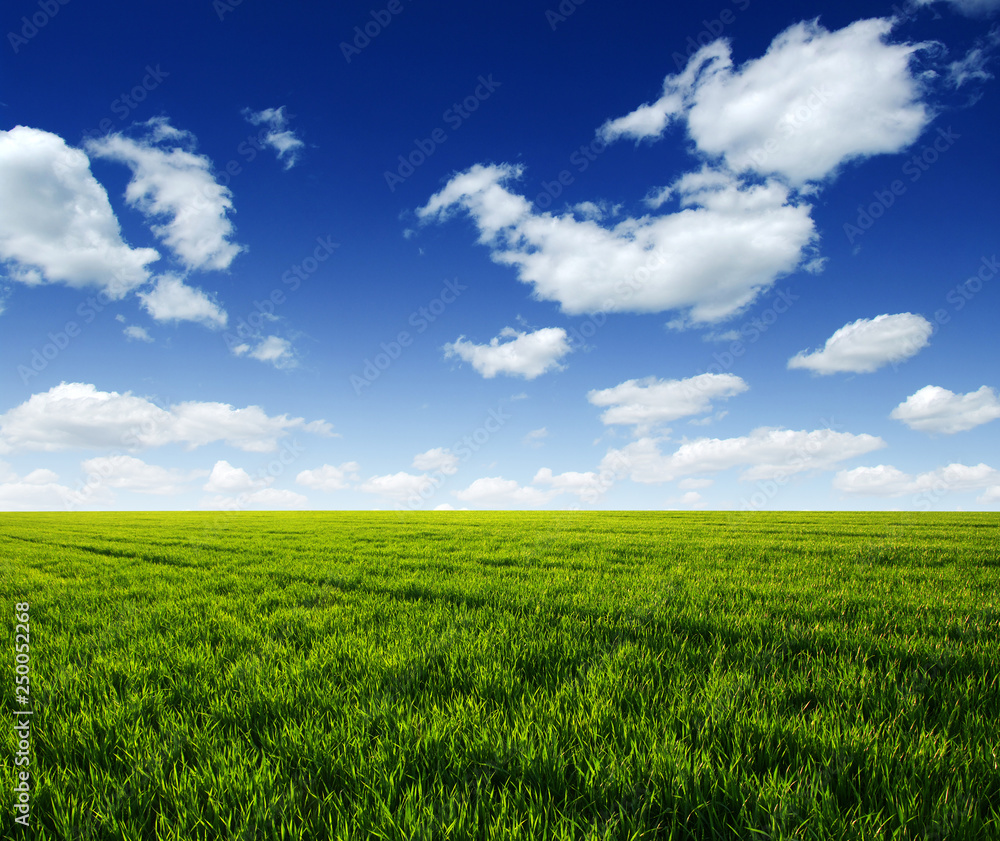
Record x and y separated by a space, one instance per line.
506 675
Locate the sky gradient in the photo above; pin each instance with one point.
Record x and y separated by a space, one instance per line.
560 255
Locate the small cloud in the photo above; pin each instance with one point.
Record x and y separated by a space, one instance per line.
225 478
173 300
284 142
865 345
272 349
648 402
328 477
535 437
513 352
438 459
137 334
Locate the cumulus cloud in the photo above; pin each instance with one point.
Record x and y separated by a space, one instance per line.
437 459
729 241
271 349
766 453
936 409
41 491
990 496
133 474
867 344
886 480
328 477
226 479
589 486
513 352
284 142
78 416
173 184
400 486
815 100
56 223
263 499
173 300
651 401
499 491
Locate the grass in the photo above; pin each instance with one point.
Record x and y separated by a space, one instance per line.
616 675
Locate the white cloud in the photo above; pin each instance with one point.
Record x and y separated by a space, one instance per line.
971 67
284 142
41 476
137 334
867 344
226 479
936 409
766 452
992 495
522 354
729 241
272 349
650 401
32 496
172 300
329 478
588 486
437 459
56 223
500 491
691 498
400 486
175 185
886 480
133 474
77 415
815 100
263 499
535 437
40 490
971 8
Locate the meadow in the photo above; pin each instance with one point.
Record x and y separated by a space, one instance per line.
505 675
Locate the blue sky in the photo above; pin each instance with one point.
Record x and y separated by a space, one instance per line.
562 255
